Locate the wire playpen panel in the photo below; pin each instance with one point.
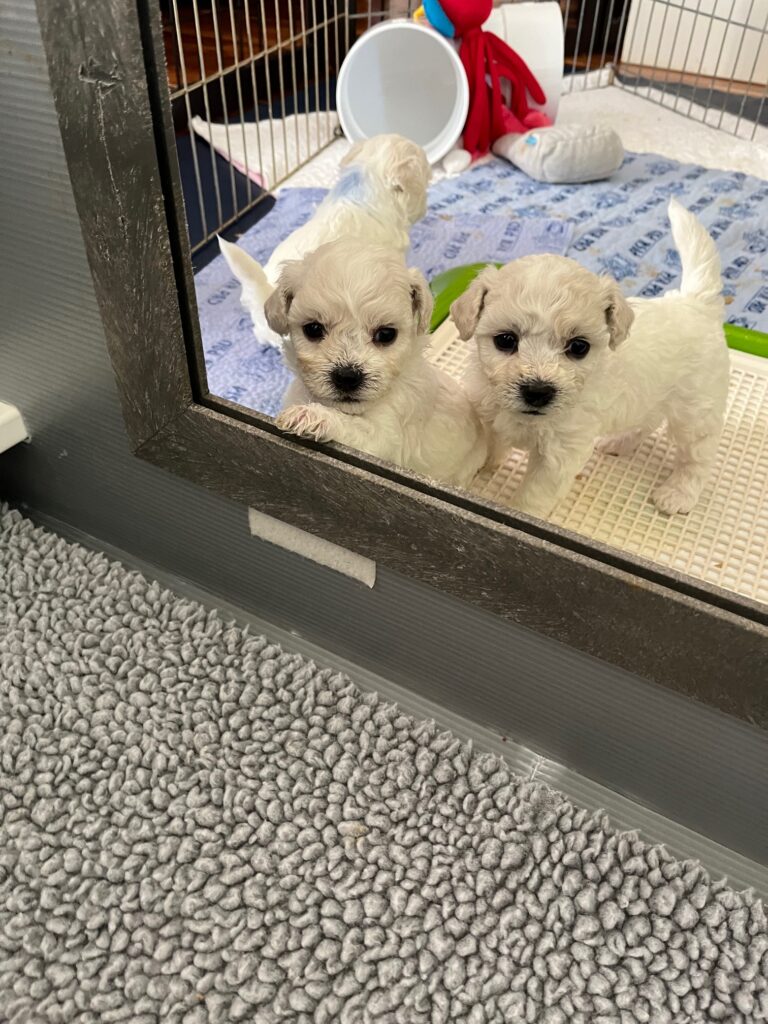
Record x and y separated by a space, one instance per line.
272 65
705 59
233 62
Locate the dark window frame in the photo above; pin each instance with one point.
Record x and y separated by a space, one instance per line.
107 73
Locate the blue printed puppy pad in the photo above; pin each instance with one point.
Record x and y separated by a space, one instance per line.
621 226
495 212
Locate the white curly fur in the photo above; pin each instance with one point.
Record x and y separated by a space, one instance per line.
381 192
650 361
403 410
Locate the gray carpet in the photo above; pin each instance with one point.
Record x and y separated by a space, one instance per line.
197 826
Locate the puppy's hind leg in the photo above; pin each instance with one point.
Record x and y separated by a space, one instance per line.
697 445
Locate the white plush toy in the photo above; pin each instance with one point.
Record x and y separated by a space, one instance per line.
563 154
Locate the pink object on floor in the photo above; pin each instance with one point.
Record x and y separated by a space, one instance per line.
249 173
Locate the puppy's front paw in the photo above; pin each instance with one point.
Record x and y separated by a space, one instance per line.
311 421
675 498
541 509
495 458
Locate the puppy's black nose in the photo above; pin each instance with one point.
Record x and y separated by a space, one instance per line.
537 394
347 378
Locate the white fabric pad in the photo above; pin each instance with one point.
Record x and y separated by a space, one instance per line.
564 154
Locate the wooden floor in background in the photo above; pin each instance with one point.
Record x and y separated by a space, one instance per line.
211 45
699 82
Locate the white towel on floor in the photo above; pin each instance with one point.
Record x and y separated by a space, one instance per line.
268 151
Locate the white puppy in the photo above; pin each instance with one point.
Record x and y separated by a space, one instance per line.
381 192
562 359
357 320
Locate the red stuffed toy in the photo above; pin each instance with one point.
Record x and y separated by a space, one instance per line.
488 61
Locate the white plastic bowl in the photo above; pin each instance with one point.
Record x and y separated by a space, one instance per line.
402 77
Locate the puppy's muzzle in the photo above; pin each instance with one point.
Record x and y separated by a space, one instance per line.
347 380
536 394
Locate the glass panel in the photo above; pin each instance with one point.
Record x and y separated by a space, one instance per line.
558 379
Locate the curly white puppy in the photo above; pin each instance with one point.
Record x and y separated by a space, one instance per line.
357 320
562 359
380 194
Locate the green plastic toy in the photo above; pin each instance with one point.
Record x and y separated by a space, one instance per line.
449 285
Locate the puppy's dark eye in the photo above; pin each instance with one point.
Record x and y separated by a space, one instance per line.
506 342
313 331
384 335
577 348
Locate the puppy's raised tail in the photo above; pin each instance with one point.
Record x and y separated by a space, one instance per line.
250 274
698 255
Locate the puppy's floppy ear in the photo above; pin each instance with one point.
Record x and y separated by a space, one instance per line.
278 304
618 313
421 300
410 171
466 310
409 174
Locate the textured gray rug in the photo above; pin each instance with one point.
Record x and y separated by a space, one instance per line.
196 826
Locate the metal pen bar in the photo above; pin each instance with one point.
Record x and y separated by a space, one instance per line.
632 33
687 55
327 72
222 91
759 114
737 57
607 34
716 68
316 73
201 58
229 221
306 78
643 65
268 76
254 87
595 19
713 17
192 136
673 44
268 52
576 49
698 74
667 8
761 43
281 79
620 32
294 81
566 15
240 105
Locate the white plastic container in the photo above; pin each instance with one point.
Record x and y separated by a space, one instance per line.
402 77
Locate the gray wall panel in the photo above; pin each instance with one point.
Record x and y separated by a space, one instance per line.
690 763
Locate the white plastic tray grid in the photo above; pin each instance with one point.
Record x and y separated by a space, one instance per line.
724 540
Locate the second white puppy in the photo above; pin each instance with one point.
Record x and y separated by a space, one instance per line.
357 320
380 194
563 359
